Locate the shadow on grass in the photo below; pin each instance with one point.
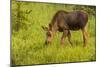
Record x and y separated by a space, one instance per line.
39 47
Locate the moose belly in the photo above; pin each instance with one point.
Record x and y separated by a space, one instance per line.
76 26
70 27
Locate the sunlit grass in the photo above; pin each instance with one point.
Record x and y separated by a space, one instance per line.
28 45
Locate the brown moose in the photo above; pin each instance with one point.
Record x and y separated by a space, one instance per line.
64 22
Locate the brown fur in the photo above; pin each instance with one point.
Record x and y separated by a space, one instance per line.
64 22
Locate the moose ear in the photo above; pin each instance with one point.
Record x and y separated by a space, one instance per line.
44 28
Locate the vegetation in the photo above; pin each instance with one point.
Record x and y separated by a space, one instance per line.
28 37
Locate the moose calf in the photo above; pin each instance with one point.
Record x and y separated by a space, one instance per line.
64 22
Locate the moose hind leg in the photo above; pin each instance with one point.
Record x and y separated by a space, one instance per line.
85 37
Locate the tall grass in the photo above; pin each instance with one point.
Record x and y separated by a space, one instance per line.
28 45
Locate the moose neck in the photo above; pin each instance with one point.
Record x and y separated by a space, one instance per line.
53 28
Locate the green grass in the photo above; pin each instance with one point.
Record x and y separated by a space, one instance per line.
28 45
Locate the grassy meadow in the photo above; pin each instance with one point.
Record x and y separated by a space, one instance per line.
28 47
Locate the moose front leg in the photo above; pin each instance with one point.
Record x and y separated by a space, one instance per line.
69 37
63 36
85 37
